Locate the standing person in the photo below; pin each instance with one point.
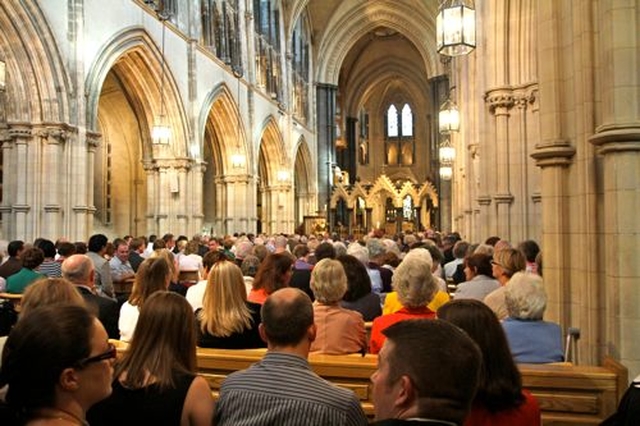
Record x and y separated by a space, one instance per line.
97 248
281 389
500 400
155 382
427 374
57 362
78 269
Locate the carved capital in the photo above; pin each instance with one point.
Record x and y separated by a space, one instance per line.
500 100
93 140
174 163
20 132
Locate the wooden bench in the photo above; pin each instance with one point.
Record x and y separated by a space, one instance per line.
567 394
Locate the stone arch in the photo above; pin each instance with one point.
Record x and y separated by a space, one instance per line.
221 118
137 61
271 152
349 25
303 181
39 91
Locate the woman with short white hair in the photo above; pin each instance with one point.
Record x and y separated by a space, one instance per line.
338 330
531 339
416 287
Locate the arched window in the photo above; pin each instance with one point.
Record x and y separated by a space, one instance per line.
300 62
220 31
266 17
399 140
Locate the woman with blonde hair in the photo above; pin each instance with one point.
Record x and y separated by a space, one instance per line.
338 330
48 292
227 320
155 381
154 274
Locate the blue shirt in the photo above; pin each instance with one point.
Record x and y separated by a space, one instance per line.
534 342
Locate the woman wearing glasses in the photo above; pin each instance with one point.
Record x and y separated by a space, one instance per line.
57 363
155 382
505 264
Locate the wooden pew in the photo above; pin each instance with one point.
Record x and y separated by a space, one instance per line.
567 394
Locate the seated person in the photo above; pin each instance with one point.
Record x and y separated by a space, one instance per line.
531 339
359 296
274 273
500 399
338 330
427 374
628 412
195 293
32 258
227 320
57 362
416 287
479 278
155 381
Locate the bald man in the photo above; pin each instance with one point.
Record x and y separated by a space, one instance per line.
282 389
80 271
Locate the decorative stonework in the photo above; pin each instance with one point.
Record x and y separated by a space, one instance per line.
499 100
503 198
484 200
559 153
617 138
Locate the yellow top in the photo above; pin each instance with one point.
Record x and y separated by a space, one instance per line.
392 304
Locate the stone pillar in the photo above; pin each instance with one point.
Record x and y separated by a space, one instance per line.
618 141
500 101
8 183
152 201
325 120
20 208
196 176
54 139
368 226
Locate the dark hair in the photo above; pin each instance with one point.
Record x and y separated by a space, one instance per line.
66 249
480 263
211 257
358 281
14 247
97 242
300 250
500 385
260 251
136 243
492 241
286 322
47 247
81 247
530 249
434 352
164 341
39 348
159 243
270 275
325 250
460 249
32 258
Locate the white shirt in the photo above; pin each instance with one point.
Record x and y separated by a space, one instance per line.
195 294
128 319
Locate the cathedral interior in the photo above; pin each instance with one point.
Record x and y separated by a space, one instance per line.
227 116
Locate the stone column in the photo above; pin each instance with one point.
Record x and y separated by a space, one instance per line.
500 101
8 183
325 120
152 201
54 139
618 141
22 135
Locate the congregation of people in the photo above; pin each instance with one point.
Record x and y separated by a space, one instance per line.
448 319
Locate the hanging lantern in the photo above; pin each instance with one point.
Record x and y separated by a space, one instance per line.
449 117
455 28
447 152
446 172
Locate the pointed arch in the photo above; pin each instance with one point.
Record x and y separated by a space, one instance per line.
272 154
38 88
220 124
137 61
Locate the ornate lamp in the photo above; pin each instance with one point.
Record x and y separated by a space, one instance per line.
455 28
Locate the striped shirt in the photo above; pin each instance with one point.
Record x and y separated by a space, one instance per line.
283 390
